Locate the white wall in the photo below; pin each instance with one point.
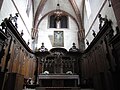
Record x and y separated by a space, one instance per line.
24 22
95 8
70 34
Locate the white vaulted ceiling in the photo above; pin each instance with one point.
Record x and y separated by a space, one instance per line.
64 5
72 7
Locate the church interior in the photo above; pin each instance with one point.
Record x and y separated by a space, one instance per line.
59 45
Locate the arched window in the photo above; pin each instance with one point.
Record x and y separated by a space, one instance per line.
64 22
88 8
61 23
52 21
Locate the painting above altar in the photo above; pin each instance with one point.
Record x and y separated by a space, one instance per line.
58 39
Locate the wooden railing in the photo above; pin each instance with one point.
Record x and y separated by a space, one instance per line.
97 60
16 57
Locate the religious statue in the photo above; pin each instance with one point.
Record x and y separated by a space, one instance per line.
42 49
94 34
87 42
101 20
74 49
21 33
3 24
117 30
28 42
14 19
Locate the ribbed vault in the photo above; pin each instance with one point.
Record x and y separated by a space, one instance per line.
74 8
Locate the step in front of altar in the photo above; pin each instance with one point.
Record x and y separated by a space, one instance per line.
61 88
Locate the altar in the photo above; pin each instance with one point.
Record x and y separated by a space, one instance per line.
59 68
61 80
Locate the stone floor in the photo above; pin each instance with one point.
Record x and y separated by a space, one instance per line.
80 89
28 89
